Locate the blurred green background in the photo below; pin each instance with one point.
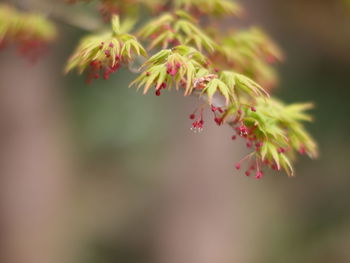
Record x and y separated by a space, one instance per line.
138 186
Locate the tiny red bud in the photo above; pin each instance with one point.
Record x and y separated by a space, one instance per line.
259 175
94 63
259 144
270 59
105 75
192 116
281 150
218 121
243 130
302 150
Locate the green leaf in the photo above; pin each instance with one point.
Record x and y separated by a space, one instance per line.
116 25
263 151
275 155
286 164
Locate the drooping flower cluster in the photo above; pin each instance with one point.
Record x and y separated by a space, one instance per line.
273 131
29 32
222 69
104 53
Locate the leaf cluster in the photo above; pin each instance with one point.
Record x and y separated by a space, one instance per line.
16 26
186 67
235 68
179 28
280 128
108 48
251 52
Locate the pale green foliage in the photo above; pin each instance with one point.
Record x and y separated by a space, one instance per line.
251 52
184 60
108 47
215 86
234 68
19 26
190 71
234 87
230 69
179 28
280 128
254 43
242 85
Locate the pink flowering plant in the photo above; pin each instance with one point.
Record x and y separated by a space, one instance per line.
231 72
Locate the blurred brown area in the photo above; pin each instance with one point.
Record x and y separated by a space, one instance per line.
34 165
101 173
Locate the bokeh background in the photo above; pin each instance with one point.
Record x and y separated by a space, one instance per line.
103 174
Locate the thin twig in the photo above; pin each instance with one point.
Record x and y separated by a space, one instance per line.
59 12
